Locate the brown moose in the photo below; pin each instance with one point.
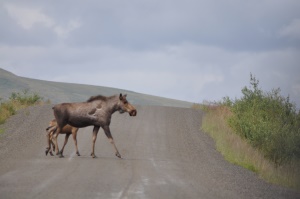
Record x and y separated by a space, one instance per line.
96 111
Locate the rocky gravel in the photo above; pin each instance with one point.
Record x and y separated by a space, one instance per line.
165 155
24 131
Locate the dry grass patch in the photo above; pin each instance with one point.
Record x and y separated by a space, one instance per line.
238 151
18 101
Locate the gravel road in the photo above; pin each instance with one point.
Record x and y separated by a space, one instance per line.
165 155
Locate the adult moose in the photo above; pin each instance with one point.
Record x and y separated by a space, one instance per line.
96 111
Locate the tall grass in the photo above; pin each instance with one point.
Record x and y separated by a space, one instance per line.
16 102
237 150
260 131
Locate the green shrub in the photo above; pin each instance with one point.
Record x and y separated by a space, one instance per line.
268 121
238 151
25 98
16 102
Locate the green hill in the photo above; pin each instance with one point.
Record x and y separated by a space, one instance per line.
58 92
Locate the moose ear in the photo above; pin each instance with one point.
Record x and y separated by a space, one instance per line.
120 97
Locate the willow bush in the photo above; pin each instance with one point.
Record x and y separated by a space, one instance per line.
268 121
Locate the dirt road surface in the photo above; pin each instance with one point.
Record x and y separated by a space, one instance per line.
165 155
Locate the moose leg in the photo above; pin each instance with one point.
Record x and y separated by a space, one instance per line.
55 141
53 147
74 134
49 134
51 142
95 132
48 148
111 140
66 141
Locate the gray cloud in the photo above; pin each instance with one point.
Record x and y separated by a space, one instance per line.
232 25
190 50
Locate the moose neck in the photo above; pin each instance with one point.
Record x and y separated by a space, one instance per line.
112 104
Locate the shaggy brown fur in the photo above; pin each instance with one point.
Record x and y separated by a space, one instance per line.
68 130
96 111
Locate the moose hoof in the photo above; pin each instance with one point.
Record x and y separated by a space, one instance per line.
78 154
60 155
51 153
118 155
46 152
93 155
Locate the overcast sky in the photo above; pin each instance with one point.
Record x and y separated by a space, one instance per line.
191 50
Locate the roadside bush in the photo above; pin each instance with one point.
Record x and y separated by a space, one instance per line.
16 102
25 98
6 110
268 121
237 150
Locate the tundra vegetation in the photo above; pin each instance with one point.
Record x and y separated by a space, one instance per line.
260 131
17 101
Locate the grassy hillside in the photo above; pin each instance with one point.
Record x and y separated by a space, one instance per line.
66 92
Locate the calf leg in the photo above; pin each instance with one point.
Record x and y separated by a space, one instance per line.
48 148
95 132
52 143
53 147
55 141
49 134
66 141
111 140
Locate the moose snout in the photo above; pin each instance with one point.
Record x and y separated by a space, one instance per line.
133 113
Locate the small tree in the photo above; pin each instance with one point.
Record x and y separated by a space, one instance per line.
268 121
